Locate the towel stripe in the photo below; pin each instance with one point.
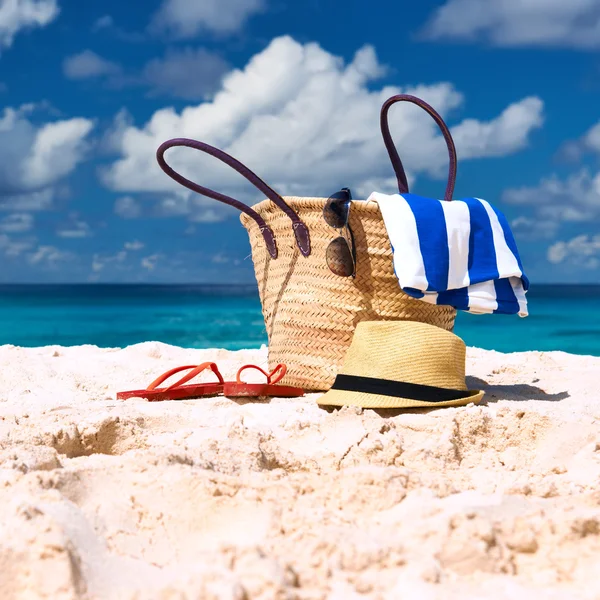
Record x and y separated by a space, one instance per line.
507 301
431 229
507 263
510 242
483 265
458 227
409 267
482 298
519 290
457 298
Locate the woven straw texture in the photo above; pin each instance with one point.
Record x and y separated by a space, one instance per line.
310 313
405 352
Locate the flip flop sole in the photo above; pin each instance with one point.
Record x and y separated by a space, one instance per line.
256 390
182 392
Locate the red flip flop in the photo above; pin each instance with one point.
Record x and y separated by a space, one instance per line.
178 391
253 390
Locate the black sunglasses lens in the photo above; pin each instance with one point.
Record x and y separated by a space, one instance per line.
337 208
339 258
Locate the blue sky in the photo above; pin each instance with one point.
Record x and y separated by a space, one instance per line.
88 91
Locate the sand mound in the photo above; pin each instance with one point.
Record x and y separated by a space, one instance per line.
216 499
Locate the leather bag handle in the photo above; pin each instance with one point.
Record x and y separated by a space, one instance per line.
391 148
300 229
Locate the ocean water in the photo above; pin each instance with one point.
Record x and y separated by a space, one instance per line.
198 316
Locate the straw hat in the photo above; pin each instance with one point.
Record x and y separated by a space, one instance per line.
402 364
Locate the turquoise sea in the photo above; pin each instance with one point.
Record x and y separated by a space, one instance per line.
207 316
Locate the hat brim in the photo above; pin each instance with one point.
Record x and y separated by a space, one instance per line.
364 400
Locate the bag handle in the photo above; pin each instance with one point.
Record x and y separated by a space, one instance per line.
395 158
300 229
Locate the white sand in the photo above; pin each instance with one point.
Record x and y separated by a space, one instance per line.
216 499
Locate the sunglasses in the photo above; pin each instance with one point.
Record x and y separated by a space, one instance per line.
341 252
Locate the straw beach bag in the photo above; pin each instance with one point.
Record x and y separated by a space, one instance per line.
310 313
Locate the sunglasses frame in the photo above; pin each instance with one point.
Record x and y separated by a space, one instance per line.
345 227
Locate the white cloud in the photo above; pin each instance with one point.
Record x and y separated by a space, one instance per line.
574 150
34 159
100 261
308 124
220 259
583 250
75 229
56 150
534 228
505 134
575 199
16 223
107 24
170 75
16 15
12 248
187 18
134 246
49 256
28 201
591 139
128 207
88 64
198 208
555 201
104 22
149 262
572 23
119 261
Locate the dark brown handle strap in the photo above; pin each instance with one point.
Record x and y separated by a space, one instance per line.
300 229
395 158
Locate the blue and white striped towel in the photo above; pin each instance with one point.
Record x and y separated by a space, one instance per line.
460 253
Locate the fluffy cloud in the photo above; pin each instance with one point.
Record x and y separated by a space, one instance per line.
128 207
76 228
34 159
589 142
134 246
187 18
88 64
12 248
120 261
149 262
36 201
556 201
107 24
16 223
308 124
170 75
48 256
574 199
16 15
574 23
504 135
591 139
583 250
104 22
101 261
534 228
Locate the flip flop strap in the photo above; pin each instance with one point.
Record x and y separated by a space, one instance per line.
279 371
194 370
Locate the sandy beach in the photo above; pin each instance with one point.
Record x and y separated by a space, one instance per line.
221 499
